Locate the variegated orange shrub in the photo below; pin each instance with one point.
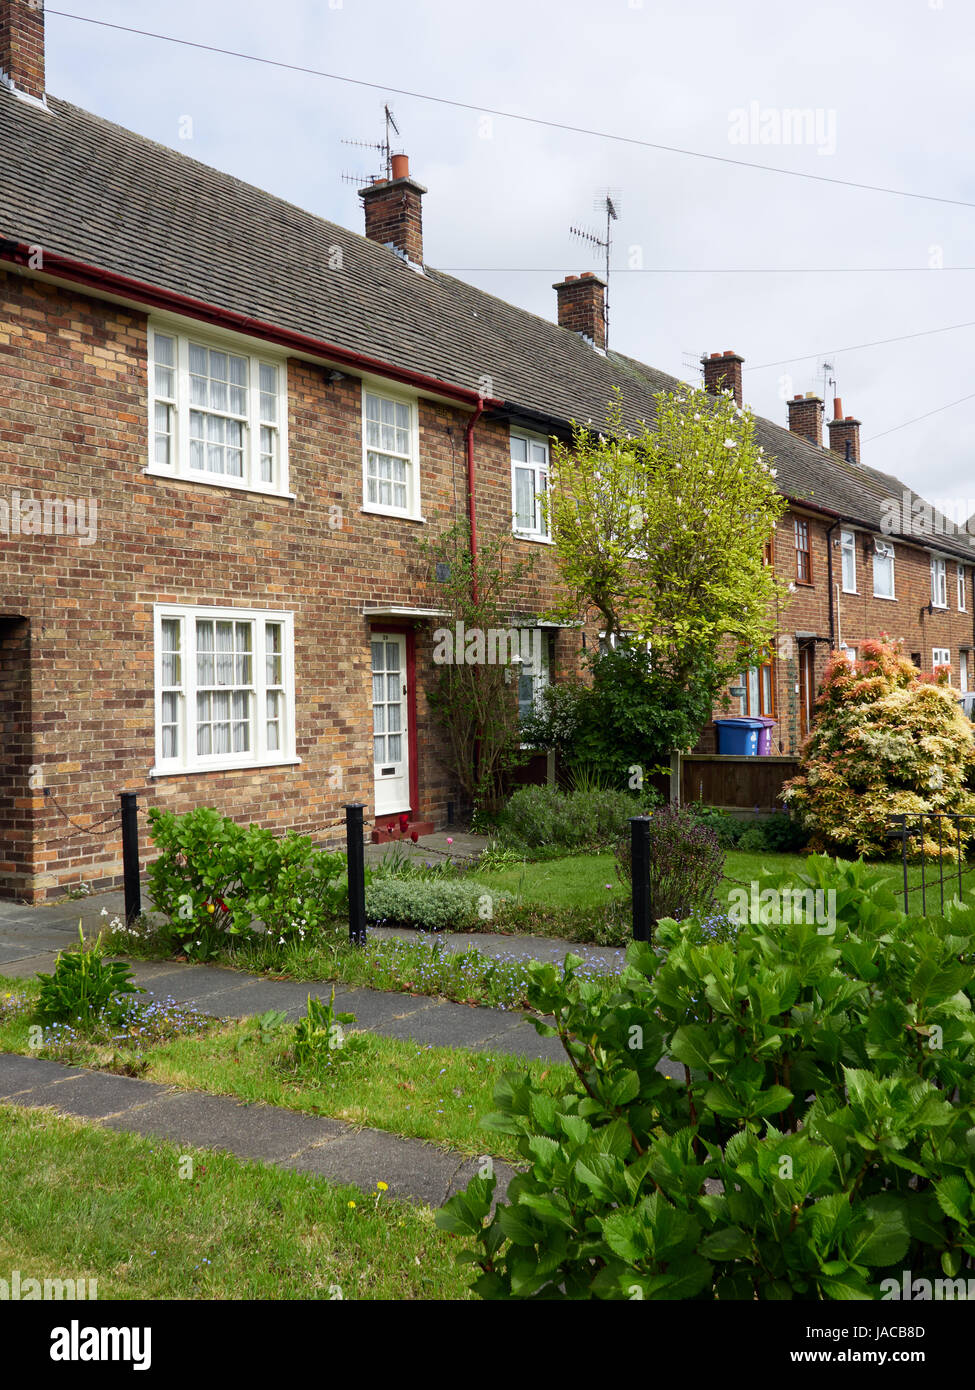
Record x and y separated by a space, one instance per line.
886 742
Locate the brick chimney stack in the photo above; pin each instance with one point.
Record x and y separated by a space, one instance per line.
582 306
806 417
844 433
394 215
22 47
722 372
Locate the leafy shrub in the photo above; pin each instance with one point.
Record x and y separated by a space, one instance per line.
885 743
633 713
320 1035
752 838
780 833
84 988
431 904
214 878
819 1140
544 817
686 864
728 828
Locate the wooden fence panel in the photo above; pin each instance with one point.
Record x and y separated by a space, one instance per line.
735 781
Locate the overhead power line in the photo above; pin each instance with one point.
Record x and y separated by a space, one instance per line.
707 270
855 347
518 115
927 415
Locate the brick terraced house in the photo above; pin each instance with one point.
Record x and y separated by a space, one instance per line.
225 427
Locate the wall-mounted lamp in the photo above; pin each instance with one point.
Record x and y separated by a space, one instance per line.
334 376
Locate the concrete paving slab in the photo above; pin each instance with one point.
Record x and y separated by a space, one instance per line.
26 967
372 1007
13 951
190 983
257 996
218 1122
411 1169
524 1042
29 1073
92 1095
450 1025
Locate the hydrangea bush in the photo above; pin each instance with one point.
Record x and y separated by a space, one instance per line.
885 743
790 1115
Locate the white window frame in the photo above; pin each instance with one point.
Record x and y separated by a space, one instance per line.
883 550
939 582
962 589
372 386
184 332
541 532
945 654
849 652
848 551
188 760
964 671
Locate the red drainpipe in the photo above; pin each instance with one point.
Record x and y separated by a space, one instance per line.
471 495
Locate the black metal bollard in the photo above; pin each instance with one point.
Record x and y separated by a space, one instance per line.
640 862
357 874
130 856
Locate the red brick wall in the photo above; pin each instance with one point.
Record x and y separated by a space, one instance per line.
861 616
74 382
22 44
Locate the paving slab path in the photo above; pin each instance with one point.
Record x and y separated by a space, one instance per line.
30 938
326 1148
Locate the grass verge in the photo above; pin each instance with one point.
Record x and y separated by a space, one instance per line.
84 1202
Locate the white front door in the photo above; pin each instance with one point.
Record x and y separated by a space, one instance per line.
389 708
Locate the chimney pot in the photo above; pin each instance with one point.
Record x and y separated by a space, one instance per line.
394 211
844 435
22 47
722 372
837 408
582 306
806 417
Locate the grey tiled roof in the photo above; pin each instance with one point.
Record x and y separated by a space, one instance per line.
86 188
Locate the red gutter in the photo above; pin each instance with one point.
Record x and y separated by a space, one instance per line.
110 282
471 496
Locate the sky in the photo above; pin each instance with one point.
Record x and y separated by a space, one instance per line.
707 255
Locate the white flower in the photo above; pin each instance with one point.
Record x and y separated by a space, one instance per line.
773 472
104 912
731 444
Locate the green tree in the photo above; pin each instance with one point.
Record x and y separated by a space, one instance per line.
663 532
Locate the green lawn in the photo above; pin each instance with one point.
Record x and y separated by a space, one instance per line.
590 881
84 1202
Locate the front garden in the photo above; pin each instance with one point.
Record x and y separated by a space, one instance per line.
773 1098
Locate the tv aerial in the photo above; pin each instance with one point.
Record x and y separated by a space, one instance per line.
384 147
607 203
